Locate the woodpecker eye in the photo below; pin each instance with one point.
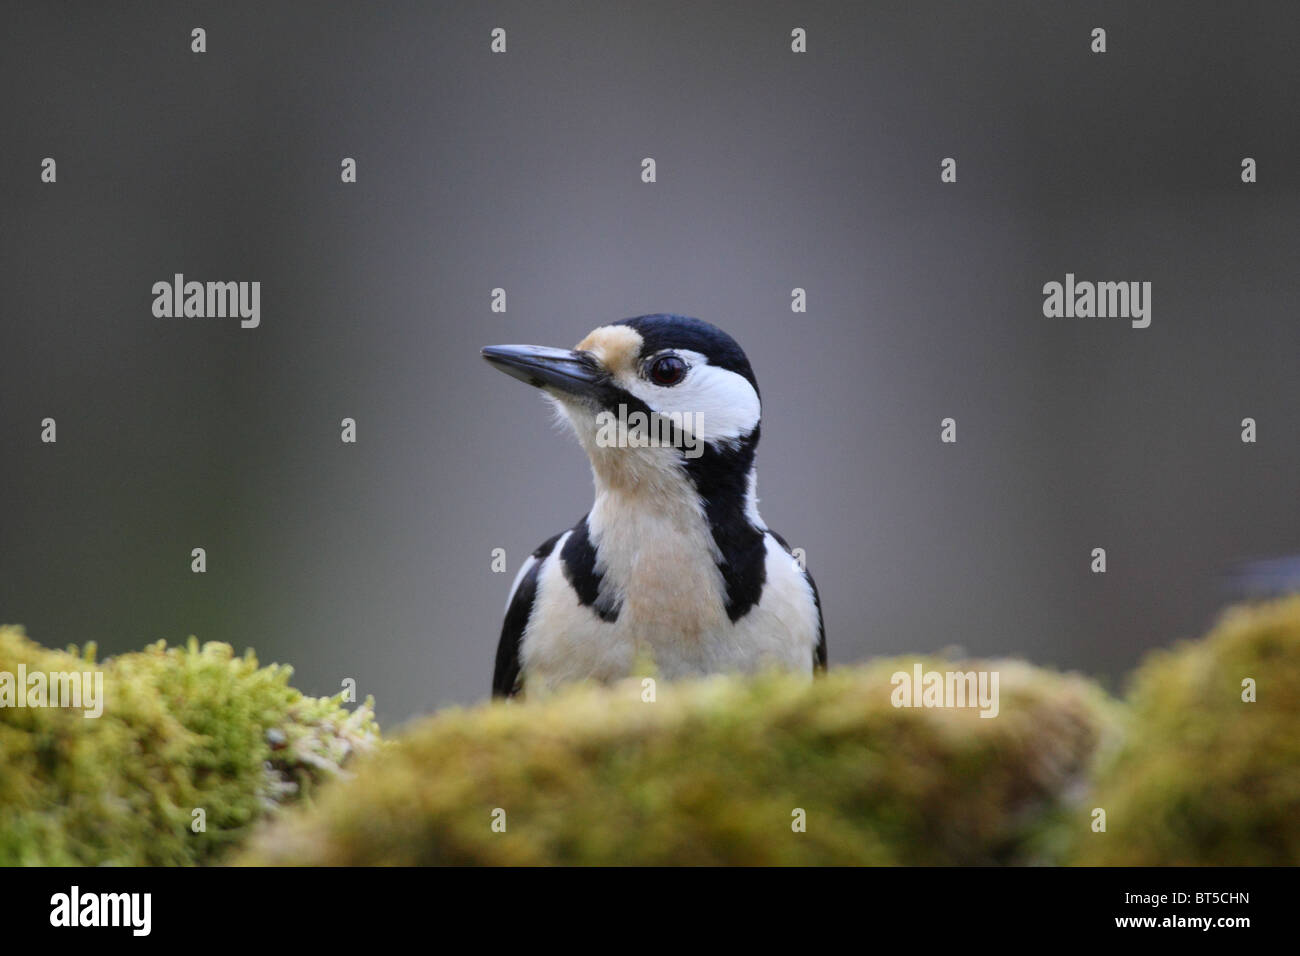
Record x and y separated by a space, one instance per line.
667 370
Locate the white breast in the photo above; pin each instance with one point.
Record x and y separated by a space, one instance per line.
672 610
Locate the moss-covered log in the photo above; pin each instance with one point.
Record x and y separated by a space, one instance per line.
1188 768
1207 775
181 730
719 771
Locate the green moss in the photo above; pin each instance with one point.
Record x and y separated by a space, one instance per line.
711 773
182 729
1205 777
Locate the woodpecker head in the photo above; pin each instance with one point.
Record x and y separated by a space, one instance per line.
649 397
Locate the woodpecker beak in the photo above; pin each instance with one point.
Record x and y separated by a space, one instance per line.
564 370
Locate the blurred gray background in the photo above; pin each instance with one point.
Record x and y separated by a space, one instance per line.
775 170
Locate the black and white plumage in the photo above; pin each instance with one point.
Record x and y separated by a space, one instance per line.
673 562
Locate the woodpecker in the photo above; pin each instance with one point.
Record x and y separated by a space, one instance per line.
673 562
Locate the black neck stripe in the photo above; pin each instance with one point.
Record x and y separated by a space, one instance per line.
721 479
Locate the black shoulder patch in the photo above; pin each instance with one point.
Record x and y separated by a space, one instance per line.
579 557
506 675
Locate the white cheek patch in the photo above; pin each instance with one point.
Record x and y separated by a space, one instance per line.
715 405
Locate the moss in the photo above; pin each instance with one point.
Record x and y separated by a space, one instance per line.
1186 771
712 772
1205 777
181 729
